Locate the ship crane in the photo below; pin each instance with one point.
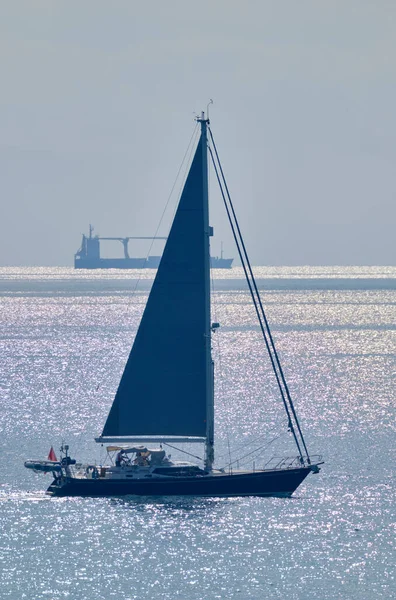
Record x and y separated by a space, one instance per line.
124 241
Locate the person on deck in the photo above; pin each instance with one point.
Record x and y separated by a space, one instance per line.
120 458
141 460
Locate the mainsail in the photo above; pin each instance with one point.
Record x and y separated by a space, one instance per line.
164 388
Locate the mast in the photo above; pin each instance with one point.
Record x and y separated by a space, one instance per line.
208 232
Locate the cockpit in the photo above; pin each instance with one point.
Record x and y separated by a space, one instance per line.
140 456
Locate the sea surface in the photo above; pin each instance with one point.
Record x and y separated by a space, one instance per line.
64 339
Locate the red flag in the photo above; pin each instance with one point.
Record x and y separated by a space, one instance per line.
52 455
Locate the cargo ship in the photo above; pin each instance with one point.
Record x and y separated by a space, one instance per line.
88 255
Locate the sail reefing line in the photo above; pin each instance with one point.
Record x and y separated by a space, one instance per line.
256 298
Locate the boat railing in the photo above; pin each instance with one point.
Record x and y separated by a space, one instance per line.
289 462
77 470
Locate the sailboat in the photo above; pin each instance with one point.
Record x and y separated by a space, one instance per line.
176 405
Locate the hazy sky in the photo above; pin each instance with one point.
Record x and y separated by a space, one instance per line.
96 111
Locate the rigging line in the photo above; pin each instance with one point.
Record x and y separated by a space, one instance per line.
260 303
183 451
261 306
254 451
290 424
188 149
214 297
222 390
83 430
176 178
257 439
67 308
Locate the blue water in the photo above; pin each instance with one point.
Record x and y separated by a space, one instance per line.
63 344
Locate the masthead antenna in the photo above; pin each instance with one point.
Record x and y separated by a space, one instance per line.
207 108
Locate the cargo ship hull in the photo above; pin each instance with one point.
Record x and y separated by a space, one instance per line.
117 263
152 262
